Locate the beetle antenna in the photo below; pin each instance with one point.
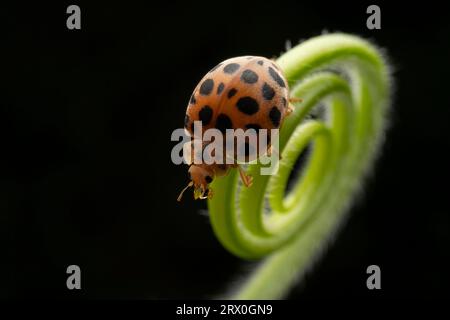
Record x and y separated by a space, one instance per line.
181 193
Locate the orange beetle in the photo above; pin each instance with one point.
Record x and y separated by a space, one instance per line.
240 93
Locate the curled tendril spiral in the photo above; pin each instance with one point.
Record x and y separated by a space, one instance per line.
288 227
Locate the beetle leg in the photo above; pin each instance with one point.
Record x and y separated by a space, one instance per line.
247 180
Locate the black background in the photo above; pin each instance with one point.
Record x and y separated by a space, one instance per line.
86 176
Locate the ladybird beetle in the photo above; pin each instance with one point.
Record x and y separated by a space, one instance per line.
247 92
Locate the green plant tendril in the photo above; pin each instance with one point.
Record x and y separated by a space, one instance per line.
290 227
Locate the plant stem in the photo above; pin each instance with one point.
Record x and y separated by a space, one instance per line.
290 228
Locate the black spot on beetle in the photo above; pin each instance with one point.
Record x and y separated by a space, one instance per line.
231 68
206 87
275 76
205 115
220 88
223 122
268 92
208 179
260 62
275 116
231 93
284 101
248 76
247 105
